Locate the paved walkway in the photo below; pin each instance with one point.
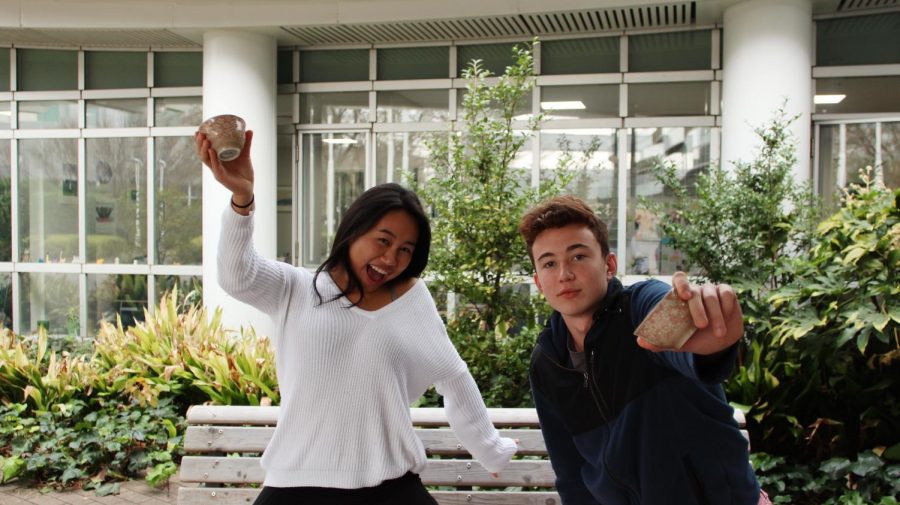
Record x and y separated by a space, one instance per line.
134 492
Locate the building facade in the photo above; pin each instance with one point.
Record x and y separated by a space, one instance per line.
104 206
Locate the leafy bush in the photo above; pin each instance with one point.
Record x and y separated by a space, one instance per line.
477 198
89 444
837 327
180 352
32 372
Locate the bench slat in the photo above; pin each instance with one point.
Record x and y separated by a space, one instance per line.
438 472
245 496
200 439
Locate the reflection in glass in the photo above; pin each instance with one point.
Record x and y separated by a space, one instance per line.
890 154
594 161
115 294
656 52
178 111
46 69
284 223
115 69
334 108
580 56
5 116
116 200
6 306
580 102
859 94
118 113
413 106
333 168
5 202
858 40
399 156
334 65
48 114
414 63
48 200
177 69
649 252
522 111
51 301
178 202
190 289
655 99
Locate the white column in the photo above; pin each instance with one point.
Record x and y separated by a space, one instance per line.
767 57
239 77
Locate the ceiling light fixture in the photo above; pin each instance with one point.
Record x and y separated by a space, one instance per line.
828 99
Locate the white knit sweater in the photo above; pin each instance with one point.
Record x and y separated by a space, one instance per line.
347 376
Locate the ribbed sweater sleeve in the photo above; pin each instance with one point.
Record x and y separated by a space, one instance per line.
469 419
246 275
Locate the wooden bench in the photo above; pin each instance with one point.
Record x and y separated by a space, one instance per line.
223 446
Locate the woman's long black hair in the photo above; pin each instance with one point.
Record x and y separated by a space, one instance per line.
363 214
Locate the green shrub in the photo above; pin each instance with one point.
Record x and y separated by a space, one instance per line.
182 353
837 328
89 444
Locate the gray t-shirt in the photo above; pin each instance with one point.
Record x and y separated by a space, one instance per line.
578 360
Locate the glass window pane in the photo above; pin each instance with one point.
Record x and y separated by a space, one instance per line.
5 116
115 69
285 196
594 159
179 202
860 149
862 40
190 288
522 111
48 114
48 200
334 108
5 202
890 154
116 113
656 99
46 69
860 94
178 69
399 156
670 51
688 148
334 65
116 200
414 63
6 307
285 67
178 111
334 166
50 301
115 294
494 57
578 102
284 105
829 163
580 56
4 69
413 106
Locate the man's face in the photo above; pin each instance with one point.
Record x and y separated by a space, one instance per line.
571 270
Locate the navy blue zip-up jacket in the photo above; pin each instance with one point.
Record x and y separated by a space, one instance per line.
637 427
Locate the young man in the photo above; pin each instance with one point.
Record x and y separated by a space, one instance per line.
626 422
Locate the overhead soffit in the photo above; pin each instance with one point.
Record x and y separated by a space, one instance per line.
509 26
94 37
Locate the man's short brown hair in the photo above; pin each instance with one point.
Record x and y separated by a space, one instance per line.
559 212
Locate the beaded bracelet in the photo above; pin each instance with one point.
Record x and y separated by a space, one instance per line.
252 198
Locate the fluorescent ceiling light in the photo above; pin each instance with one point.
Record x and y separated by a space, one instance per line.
827 99
570 105
344 141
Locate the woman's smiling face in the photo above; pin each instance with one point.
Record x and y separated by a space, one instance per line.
379 255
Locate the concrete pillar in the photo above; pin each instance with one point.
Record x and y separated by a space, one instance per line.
767 57
239 77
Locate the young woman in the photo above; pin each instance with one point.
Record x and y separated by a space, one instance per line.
355 343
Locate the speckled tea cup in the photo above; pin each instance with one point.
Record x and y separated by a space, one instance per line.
225 134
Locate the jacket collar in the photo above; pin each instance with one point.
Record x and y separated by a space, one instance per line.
555 335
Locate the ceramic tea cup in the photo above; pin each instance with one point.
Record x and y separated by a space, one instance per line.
225 134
